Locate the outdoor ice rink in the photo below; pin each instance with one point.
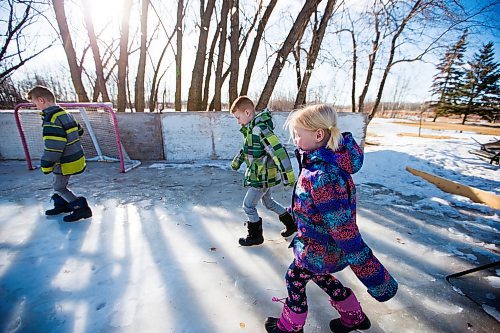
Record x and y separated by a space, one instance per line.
161 254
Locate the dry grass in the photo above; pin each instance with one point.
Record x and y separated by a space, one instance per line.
480 129
373 135
426 136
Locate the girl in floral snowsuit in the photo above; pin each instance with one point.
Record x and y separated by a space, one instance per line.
328 239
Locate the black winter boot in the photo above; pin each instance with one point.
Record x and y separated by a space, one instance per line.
336 326
254 236
60 205
289 223
80 208
271 326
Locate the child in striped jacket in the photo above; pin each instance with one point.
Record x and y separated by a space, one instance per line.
328 239
63 154
267 164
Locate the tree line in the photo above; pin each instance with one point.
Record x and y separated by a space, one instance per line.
467 87
134 63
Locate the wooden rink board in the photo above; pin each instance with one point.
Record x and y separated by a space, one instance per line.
476 195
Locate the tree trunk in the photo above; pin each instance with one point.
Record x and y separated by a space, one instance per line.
354 70
178 56
296 55
241 48
141 69
435 117
298 26
210 62
217 104
196 88
235 54
371 62
100 83
153 95
74 68
413 11
312 55
123 57
255 46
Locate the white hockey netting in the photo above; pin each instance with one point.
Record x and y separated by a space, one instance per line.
101 139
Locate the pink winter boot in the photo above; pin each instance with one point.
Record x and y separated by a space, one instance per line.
352 316
288 322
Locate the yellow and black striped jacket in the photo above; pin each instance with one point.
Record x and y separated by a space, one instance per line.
63 152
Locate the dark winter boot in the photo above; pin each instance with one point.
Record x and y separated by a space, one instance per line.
352 316
289 223
80 210
254 236
60 205
288 322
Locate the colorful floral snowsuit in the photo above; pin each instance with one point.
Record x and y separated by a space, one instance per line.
328 239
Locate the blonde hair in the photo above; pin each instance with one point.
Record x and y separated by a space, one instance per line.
41 91
241 103
315 117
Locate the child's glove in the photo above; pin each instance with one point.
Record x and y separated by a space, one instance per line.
80 130
289 178
235 165
237 161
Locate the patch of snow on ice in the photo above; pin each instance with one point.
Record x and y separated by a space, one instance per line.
494 281
440 306
458 290
492 312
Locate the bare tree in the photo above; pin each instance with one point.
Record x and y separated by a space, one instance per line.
123 57
241 47
16 50
217 105
100 84
354 68
418 6
74 68
372 57
298 26
235 52
155 83
256 44
141 69
406 32
208 76
196 88
178 56
297 52
312 54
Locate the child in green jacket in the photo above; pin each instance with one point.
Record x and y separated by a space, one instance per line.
267 164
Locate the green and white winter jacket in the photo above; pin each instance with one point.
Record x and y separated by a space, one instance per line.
266 158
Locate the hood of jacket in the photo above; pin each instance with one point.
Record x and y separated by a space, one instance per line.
262 119
348 157
47 113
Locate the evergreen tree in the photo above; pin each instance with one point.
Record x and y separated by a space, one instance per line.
449 78
480 90
491 106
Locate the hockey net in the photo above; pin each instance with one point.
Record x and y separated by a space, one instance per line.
101 138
